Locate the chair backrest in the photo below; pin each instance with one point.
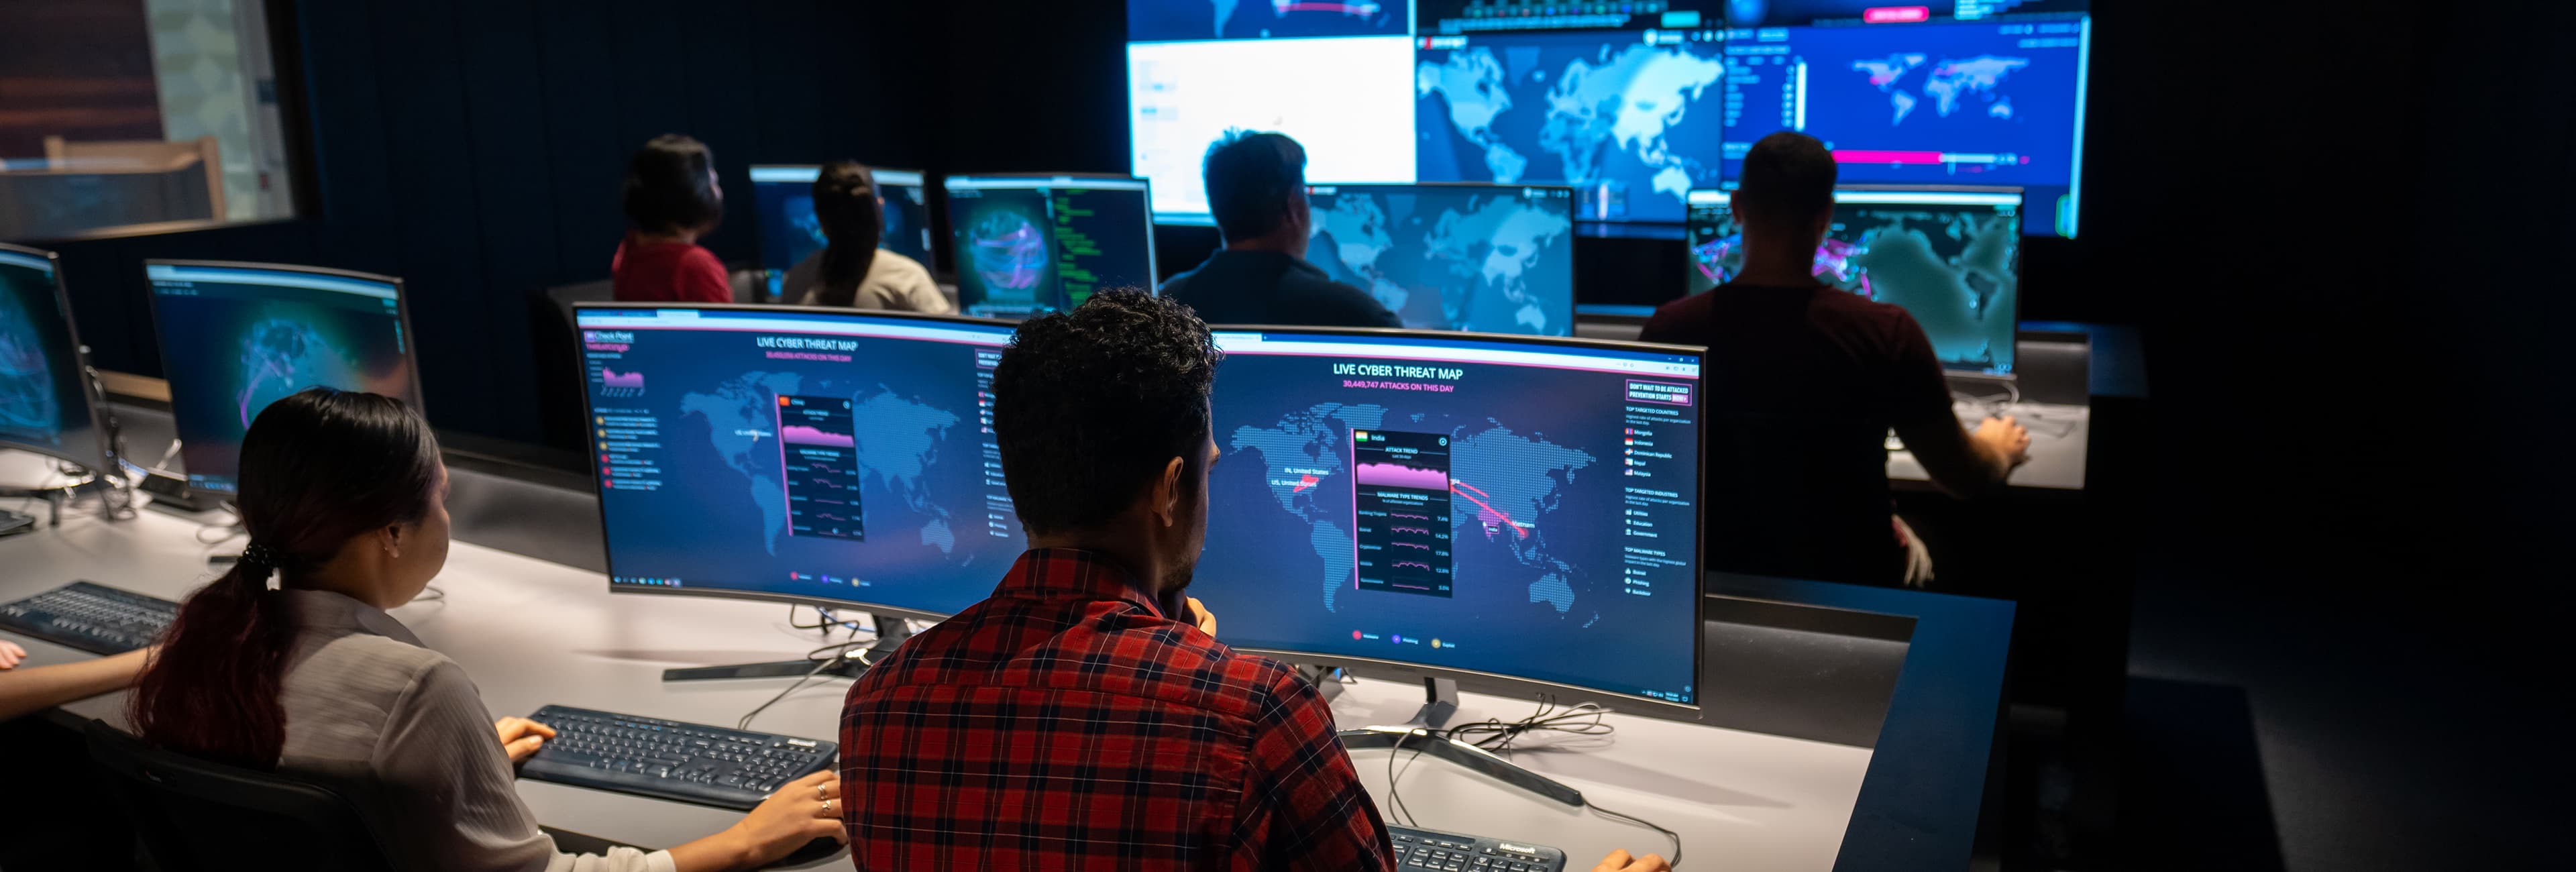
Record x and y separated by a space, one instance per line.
195 815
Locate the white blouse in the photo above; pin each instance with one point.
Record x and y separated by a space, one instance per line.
401 731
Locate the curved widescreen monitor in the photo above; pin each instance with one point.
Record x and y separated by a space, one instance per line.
47 402
1481 258
238 336
1027 244
784 194
1516 511
824 456
1951 257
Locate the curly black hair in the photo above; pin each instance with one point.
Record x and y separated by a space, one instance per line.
1089 405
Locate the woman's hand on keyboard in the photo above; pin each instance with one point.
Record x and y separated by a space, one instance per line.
11 655
522 737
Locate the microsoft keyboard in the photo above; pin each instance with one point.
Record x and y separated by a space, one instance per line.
1419 850
91 617
716 766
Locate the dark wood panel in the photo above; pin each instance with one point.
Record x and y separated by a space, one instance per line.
79 70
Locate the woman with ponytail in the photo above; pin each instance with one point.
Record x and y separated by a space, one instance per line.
289 662
851 270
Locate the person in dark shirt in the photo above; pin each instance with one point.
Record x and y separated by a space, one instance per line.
1256 186
671 200
1085 716
1803 382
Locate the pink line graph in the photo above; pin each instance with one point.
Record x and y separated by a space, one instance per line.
1412 545
609 378
1400 564
1354 9
1403 515
1397 475
803 435
1422 530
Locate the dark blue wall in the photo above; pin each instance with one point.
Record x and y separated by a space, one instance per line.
475 148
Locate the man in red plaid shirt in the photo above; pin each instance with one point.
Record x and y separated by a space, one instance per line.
1084 716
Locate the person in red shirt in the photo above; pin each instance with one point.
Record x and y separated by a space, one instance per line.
1085 716
671 200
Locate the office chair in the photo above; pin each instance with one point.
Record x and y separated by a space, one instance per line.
195 815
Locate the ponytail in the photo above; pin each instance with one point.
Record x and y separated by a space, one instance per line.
212 691
845 204
318 469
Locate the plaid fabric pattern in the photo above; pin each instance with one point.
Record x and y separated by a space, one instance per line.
1067 723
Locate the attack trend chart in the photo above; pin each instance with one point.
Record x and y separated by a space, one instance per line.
1400 506
818 451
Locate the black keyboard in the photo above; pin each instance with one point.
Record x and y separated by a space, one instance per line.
697 763
91 617
1419 850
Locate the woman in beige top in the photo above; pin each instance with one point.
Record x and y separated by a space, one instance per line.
851 270
345 500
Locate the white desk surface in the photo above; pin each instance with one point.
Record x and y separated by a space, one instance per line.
533 633
2060 435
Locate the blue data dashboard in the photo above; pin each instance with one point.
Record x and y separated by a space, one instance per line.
823 456
237 337
1630 104
45 398
1483 258
789 231
1527 509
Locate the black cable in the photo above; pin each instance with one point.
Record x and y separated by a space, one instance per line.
1587 719
828 620
821 663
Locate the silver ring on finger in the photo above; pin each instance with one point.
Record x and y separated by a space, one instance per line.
827 807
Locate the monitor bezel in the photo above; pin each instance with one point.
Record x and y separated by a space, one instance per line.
1511 685
104 463
402 315
2020 240
1153 259
600 493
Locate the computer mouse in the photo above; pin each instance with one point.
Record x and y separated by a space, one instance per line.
815 851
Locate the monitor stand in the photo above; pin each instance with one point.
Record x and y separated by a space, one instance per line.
1440 702
891 631
55 497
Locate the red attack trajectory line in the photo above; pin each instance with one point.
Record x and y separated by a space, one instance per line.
1454 486
1303 482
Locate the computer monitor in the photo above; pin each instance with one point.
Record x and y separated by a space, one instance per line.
1519 512
1963 103
236 337
1043 242
1631 120
835 457
1482 258
789 233
1951 258
48 403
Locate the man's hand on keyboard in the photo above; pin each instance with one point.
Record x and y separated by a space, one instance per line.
522 737
11 655
1619 861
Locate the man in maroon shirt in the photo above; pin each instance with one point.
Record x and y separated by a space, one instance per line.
1803 382
1084 716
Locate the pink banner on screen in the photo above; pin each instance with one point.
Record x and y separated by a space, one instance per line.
798 434
1394 475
